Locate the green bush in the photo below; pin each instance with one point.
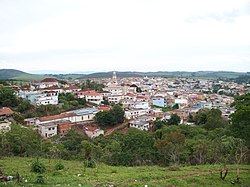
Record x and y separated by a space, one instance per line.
59 166
38 167
174 168
89 164
40 179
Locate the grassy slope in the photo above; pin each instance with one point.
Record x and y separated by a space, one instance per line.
29 77
104 175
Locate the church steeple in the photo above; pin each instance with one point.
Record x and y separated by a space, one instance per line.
114 78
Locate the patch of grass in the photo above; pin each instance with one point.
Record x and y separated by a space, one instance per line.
76 174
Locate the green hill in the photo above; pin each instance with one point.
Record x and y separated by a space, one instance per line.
18 75
75 174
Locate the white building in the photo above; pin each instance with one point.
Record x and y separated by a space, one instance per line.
47 129
93 132
94 97
159 101
141 105
48 82
45 99
115 99
114 89
84 114
141 125
5 126
181 101
38 98
131 114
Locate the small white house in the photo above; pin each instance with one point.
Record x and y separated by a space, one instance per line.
47 129
159 101
5 126
141 105
141 125
130 114
48 82
115 99
94 97
93 132
83 114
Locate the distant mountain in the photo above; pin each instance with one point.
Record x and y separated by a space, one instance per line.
109 74
198 74
18 75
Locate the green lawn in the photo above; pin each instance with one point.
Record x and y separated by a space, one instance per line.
75 174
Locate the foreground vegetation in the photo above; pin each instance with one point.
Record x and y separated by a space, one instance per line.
75 174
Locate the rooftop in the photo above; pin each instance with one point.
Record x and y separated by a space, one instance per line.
59 116
84 111
5 111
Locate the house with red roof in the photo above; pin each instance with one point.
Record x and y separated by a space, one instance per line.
48 82
91 96
5 112
93 132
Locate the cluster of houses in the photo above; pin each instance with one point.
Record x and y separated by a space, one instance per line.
158 98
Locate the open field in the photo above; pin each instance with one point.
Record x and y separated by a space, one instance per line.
75 174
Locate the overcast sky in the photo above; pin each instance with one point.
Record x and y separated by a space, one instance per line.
124 35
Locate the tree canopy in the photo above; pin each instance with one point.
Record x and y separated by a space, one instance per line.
240 126
111 117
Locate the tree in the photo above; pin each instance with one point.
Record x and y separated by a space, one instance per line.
136 148
174 120
210 119
118 114
105 118
190 118
201 117
8 98
138 89
72 144
170 148
87 149
240 119
158 124
22 141
111 117
24 106
235 149
214 120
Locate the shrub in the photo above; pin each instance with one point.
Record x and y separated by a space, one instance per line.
59 166
40 179
38 167
89 164
174 168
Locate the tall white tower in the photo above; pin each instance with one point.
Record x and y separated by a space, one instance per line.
114 78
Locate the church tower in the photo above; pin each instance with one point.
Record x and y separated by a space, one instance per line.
114 78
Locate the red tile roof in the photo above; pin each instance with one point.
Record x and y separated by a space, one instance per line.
131 95
5 111
104 108
59 116
90 128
